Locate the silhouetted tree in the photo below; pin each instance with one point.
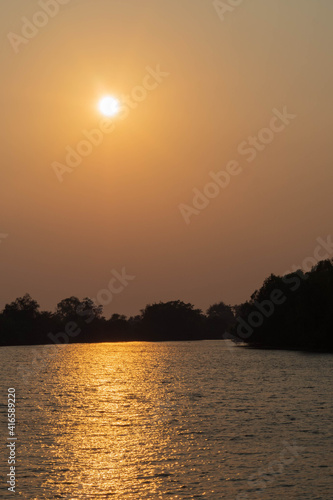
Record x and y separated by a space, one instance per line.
220 318
172 320
20 322
290 312
74 309
82 312
23 308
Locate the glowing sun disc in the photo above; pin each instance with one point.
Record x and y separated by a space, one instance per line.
109 106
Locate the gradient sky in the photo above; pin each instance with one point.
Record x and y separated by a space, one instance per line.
120 207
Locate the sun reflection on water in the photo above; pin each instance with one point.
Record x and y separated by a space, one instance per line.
107 414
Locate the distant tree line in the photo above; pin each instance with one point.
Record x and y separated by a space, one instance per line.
289 312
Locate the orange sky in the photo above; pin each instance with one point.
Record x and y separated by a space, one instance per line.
120 208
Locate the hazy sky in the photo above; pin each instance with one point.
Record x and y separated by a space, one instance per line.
120 207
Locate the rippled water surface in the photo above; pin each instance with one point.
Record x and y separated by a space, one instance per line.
180 420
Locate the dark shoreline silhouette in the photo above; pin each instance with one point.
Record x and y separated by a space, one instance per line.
288 312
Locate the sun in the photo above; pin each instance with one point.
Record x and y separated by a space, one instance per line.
109 106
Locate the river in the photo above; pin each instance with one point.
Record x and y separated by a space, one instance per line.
186 420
